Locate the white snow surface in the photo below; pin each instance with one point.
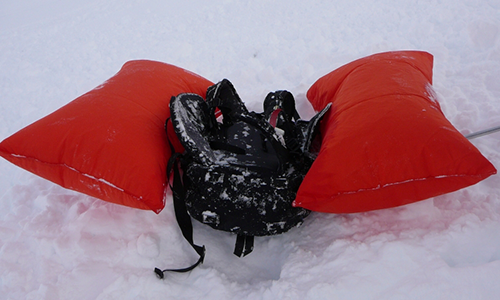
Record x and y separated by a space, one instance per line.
59 244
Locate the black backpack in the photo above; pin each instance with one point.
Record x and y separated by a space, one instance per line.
240 170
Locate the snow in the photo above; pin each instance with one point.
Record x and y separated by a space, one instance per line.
58 244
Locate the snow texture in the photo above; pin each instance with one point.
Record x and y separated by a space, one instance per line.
58 244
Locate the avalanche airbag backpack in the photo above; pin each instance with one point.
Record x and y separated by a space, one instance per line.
240 170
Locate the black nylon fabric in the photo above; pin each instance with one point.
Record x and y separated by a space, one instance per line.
239 177
242 200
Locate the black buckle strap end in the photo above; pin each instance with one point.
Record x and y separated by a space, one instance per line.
244 245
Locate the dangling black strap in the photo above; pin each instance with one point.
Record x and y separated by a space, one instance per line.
244 245
181 214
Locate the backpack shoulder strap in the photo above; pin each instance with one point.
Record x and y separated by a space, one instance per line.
224 97
192 122
309 130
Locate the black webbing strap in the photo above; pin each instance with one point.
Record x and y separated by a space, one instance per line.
269 133
244 245
181 214
221 145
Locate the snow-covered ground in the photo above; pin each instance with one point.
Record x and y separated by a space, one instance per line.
58 244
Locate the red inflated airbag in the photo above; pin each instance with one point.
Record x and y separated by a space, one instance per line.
109 143
386 141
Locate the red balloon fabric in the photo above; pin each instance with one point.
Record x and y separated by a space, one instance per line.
109 143
386 141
